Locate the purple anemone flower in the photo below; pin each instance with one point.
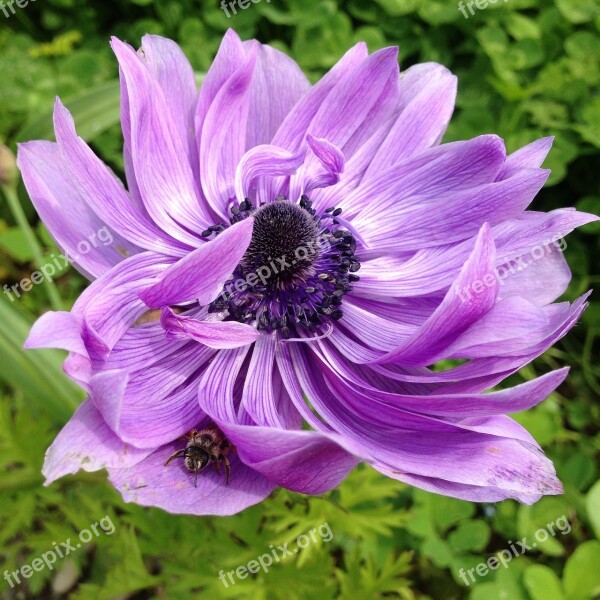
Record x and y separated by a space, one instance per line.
284 267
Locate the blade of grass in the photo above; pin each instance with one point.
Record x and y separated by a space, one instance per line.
16 209
94 111
36 373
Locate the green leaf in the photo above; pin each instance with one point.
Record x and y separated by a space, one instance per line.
538 524
590 122
447 511
14 242
521 27
582 575
398 8
438 551
437 12
542 583
470 535
578 11
592 505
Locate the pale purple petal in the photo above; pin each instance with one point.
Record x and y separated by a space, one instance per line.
264 398
302 461
171 487
220 335
223 137
111 305
331 161
87 443
454 315
153 406
424 117
70 221
104 193
175 76
277 86
162 169
264 162
201 274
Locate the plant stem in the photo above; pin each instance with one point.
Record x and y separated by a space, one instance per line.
19 216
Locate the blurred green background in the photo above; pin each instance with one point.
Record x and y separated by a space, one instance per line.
526 69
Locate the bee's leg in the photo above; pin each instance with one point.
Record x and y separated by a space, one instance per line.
175 455
218 465
227 469
191 436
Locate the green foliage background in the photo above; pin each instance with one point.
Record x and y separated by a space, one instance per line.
526 69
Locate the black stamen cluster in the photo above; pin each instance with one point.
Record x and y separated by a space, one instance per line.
277 287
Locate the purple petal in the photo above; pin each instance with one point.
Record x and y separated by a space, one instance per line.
201 274
292 131
159 158
69 220
343 112
331 159
349 108
214 334
230 56
223 137
63 330
218 383
111 305
57 329
434 269
374 330
386 408
277 86
103 192
543 280
175 76
427 95
451 453
264 162
472 493
87 443
454 315
424 220
490 337
520 470
150 407
171 487
529 157
264 397
440 171
308 462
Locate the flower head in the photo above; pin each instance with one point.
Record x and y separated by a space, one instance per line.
287 254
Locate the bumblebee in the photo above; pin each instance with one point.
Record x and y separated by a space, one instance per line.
204 447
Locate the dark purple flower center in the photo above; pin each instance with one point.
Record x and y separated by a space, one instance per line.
295 271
